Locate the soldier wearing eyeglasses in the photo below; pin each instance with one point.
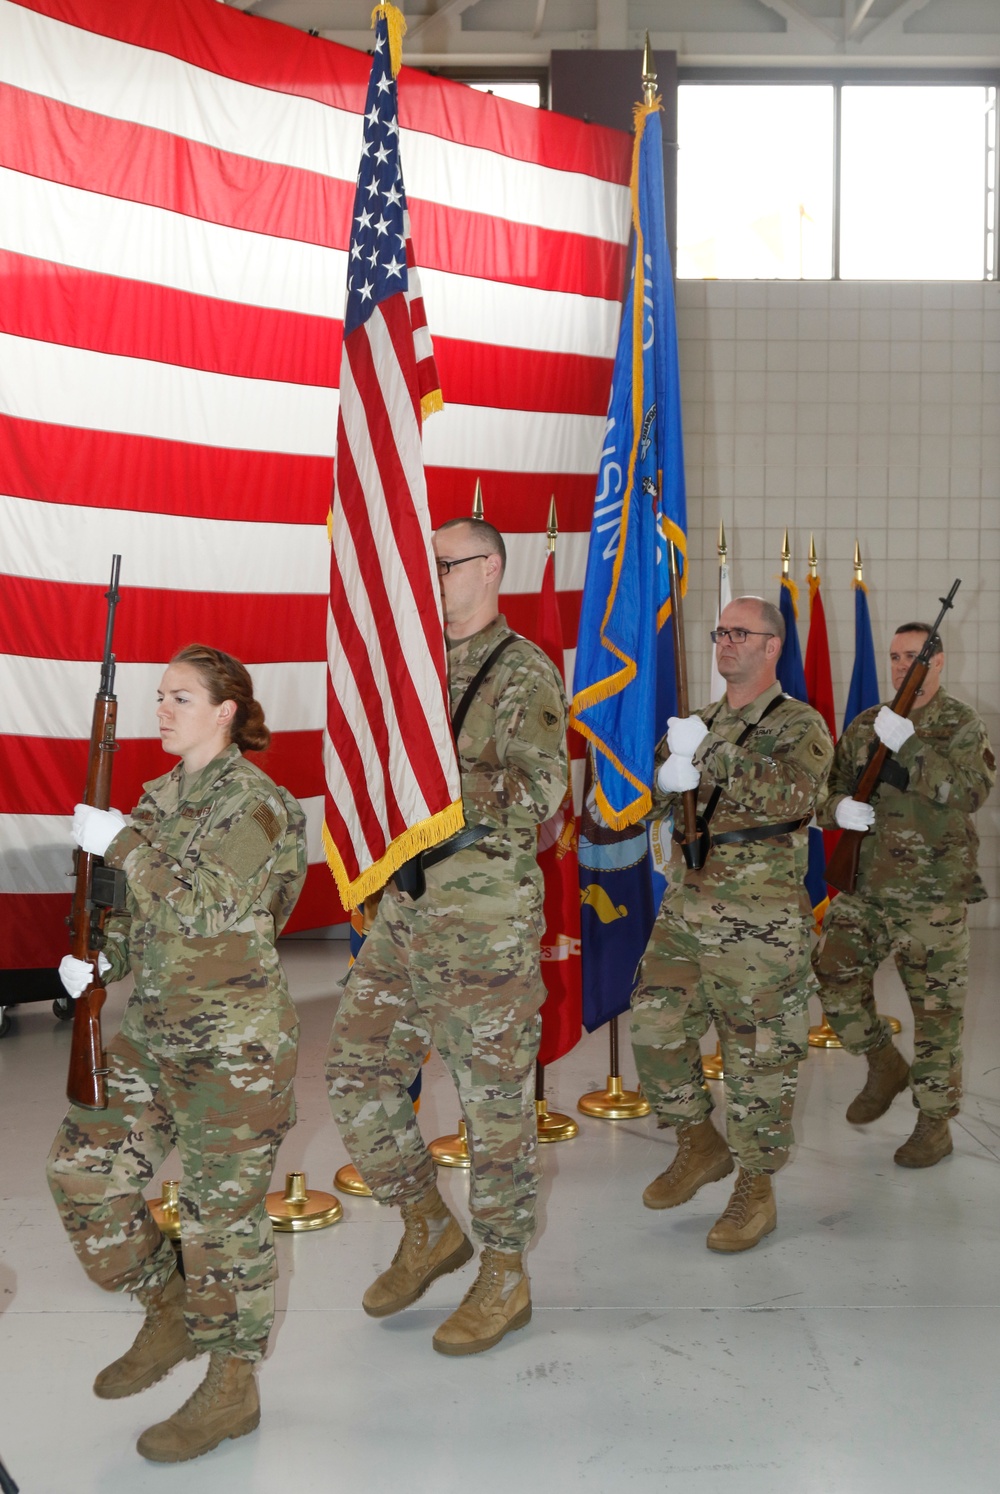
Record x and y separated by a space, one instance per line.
730 945
917 875
453 960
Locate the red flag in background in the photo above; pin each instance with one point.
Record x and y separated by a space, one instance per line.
819 684
562 1012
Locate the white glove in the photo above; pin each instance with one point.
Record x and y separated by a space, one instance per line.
677 775
893 730
851 814
685 735
95 829
76 975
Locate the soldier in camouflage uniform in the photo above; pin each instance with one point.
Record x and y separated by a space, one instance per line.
917 874
731 941
458 966
214 857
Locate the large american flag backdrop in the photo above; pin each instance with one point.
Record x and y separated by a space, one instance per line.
176 186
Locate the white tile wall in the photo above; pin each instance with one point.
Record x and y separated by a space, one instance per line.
843 411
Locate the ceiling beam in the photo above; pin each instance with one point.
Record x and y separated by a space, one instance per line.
797 18
896 19
445 9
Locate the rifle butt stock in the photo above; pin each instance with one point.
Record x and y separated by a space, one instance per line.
86 1083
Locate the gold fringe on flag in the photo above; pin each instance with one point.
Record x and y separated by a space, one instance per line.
431 403
429 833
396 25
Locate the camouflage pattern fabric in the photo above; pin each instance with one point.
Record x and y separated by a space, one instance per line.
459 968
205 1056
731 942
931 950
917 873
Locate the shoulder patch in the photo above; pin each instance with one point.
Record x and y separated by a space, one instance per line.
268 821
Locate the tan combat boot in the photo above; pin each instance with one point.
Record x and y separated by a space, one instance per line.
930 1141
702 1157
432 1245
161 1342
749 1215
888 1074
498 1301
226 1404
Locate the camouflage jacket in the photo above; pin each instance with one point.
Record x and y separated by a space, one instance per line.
775 776
514 765
214 864
924 846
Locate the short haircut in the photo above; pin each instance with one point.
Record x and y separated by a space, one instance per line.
937 647
769 615
484 537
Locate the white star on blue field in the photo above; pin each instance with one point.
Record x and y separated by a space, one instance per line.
377 256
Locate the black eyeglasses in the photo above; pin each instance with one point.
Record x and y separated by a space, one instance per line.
444 566
737 635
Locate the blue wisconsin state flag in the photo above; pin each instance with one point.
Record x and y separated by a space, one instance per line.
864 690
792 679
624 679
624 682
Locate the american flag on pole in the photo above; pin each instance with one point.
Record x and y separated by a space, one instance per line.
177 184
392 780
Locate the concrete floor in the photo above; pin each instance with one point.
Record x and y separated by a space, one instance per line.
855 1351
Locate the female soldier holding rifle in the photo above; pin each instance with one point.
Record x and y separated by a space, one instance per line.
214 857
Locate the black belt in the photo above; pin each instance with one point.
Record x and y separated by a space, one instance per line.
410 876
758 832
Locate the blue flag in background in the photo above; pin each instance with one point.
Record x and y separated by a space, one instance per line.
624 679
864 690
792 679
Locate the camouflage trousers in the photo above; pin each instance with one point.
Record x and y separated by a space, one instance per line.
472 989
931 950
227 1140
753 982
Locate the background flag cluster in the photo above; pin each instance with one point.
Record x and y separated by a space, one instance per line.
176 194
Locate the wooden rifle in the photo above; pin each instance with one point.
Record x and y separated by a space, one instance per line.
842 867
99 889
691 841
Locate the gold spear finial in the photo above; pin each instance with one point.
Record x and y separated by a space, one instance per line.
477 501
858 567
648 73
723 551
786 555
812 557
553 525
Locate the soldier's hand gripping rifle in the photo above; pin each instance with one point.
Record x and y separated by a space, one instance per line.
99 888
842 867
690 839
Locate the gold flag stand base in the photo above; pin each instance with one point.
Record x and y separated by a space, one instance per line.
347 1179
711 1064
452 1151
613 1103
554 1127
824 1036
296 1209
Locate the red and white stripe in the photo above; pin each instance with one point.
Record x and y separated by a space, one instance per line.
175 193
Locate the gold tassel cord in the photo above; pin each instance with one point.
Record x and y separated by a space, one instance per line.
396 26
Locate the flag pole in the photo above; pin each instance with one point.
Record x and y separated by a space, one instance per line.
712 1064
613 1102
552 1126
453 1150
